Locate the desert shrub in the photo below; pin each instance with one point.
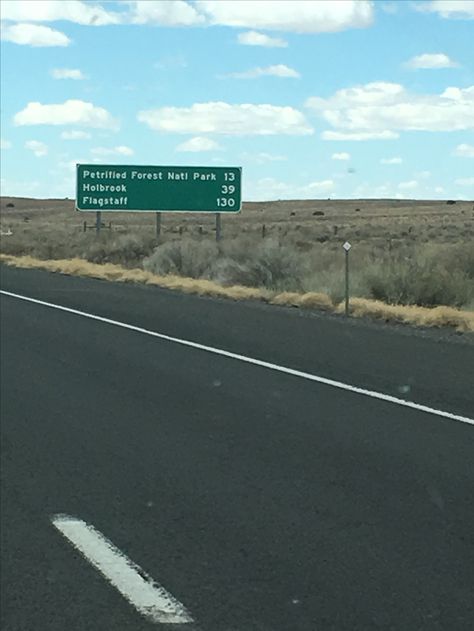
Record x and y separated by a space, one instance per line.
41 242
184 258
240 261
284 266
458 258
405 271
418 282
227 271
425 276
125 249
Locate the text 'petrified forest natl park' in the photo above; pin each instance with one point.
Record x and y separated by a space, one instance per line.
158 188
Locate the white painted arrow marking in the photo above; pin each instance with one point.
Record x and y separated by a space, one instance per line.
149 598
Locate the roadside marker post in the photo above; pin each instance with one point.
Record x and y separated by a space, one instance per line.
347 246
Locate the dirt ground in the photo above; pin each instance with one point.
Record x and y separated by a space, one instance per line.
305 222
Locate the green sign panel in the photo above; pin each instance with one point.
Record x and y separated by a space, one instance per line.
118 188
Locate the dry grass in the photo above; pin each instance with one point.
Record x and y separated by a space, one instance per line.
419 316
462 321
409 253
412 273
308 300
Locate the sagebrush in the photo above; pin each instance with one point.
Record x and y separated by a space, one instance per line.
411 274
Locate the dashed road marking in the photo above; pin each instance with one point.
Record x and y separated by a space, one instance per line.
148 597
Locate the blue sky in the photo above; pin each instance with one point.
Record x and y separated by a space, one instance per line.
315 99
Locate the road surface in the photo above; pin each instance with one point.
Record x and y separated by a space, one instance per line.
255 494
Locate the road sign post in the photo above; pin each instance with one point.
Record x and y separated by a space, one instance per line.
218 227
158 225
347 246
98 221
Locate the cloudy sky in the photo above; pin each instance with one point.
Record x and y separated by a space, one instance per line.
314 99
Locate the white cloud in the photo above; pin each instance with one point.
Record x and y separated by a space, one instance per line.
71 112
439 189
75 135
341 156
384 107
38 148
170 13
67 73
301 16
87 13
223 118
121 150
465 181
461 9
279 70
298 16
391 160
33 35
464 151
268 188
254 38
408 186
423 175
198 144
5 144
262 157
376 135
431 60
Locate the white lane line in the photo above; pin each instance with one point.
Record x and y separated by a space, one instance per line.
149 598
250 360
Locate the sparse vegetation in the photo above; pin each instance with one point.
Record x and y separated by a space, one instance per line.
292 250
462 321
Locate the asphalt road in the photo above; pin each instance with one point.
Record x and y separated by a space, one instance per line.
260 500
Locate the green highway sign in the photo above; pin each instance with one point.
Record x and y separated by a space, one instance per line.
119 188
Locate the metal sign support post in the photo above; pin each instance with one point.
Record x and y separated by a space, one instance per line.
98 221
218 227
158 225
347 246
